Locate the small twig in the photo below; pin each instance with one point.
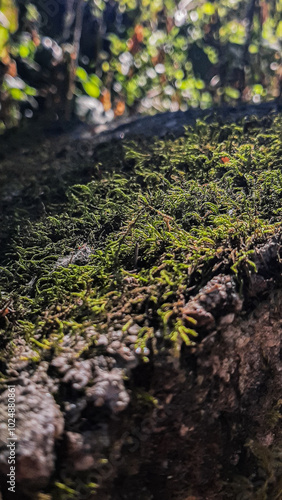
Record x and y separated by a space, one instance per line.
165 216
68 19
250 19
74 55
129 227
136 255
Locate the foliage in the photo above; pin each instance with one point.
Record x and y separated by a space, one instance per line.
200 54
147 56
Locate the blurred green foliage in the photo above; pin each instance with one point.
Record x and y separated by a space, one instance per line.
149 55
199 53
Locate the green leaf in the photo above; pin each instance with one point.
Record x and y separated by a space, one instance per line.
208 8
81 74
30 91
91 89
95 80
231 92
279 29
17 94
23 51
4 37
9 10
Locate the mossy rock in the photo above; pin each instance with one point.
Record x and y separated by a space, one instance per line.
130 275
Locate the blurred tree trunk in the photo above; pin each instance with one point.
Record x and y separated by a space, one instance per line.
74 56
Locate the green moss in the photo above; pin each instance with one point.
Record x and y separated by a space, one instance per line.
152 225
158 220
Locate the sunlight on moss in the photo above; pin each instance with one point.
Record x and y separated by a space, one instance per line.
129 244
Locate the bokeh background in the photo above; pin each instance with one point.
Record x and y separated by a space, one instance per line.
98 60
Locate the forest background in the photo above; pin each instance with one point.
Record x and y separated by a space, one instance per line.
98 60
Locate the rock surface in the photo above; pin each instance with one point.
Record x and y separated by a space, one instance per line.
39 426
223 379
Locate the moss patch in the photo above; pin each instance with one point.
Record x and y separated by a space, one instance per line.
146 227
144 234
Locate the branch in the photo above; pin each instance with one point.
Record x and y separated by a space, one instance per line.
250 19
74 55
68 19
